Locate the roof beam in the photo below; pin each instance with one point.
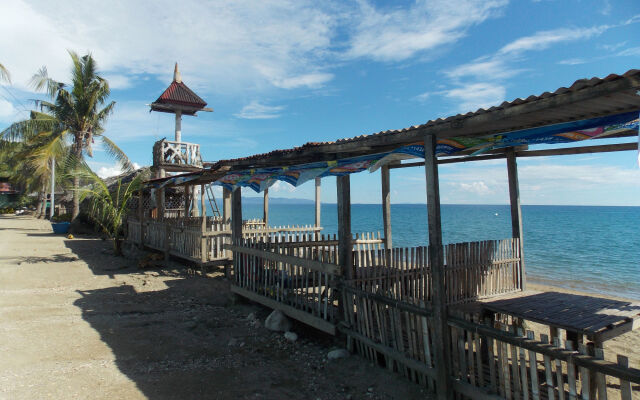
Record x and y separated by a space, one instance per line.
604 148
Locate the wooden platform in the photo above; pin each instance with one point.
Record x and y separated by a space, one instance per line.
598 318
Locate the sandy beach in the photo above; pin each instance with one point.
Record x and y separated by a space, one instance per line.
78 322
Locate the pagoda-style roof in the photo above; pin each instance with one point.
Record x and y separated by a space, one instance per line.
178 96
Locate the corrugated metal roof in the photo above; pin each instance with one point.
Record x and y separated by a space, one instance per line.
584 99
618 95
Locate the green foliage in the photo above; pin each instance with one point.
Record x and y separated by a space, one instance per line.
7 210
61 218
65 126
108 208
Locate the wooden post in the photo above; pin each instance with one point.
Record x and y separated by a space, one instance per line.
187 200
226 206
318 201
441 337
345 248
516 210
386 206
236 224
203 229
141 216
160 200
265 208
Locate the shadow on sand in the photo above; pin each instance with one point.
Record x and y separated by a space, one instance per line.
171 337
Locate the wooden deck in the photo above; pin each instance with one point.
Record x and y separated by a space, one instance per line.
597 318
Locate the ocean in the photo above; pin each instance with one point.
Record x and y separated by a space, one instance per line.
588 248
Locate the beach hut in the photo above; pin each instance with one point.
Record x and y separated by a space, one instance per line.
421 311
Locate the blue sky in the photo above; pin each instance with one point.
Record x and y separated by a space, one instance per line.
282 73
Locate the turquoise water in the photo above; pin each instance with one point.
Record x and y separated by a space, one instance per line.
595 249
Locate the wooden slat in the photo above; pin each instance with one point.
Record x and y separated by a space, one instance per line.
292 312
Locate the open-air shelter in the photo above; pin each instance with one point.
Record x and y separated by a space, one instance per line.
401 306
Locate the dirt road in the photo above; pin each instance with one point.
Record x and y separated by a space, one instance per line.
77 322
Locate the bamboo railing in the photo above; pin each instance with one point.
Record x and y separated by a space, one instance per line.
488 359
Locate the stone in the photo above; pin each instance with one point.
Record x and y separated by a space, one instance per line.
336 354
277 322
291 336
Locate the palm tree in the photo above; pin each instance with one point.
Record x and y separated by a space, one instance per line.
28 164
76 116
4 74
109 207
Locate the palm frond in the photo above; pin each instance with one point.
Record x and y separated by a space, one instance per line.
41 81
117 153
4 74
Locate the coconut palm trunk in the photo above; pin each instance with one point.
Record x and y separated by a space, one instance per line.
40 205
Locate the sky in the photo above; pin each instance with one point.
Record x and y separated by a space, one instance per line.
282 73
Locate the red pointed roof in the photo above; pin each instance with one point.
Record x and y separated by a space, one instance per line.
179 97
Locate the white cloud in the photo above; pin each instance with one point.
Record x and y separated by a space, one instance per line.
478 187
313 81
255 110
483 68
227 45
400 33
112 170
476 95
573 61
280 187
632 51
7 111
544 39
118 81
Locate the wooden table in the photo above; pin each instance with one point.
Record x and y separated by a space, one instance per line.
597 318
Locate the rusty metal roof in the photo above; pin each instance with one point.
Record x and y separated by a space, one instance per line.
584 99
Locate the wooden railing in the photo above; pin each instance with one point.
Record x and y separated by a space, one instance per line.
184 237
473 271
488 359
297 281
477 270
169 153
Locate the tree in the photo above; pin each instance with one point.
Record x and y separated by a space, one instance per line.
28 164
4 74
74 116
108 208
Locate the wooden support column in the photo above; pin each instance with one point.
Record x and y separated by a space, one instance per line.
318 201
441 337
236 224
265 208
203 228
187 200
386 206
345 248
160 199
226 206
516 210
236 215
141 217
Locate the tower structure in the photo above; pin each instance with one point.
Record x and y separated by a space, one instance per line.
176 155
178 99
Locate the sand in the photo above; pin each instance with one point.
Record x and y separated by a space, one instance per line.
78 322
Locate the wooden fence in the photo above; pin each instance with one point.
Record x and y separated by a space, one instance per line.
489 360
184 237
473 270
293 279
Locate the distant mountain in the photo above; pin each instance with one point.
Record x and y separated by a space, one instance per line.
276 200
